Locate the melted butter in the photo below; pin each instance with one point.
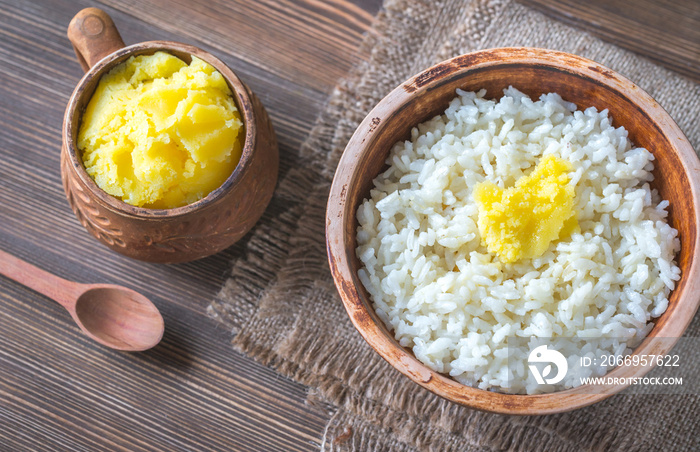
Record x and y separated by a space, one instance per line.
159 133
521 222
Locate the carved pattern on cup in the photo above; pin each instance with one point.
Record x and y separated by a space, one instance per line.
91 217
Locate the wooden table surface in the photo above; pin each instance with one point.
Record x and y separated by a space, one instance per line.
60 391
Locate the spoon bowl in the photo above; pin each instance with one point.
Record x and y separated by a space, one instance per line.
118 317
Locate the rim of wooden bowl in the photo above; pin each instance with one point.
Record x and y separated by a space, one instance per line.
341 243
85 89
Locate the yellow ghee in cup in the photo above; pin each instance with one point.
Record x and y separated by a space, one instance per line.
159 133
521 222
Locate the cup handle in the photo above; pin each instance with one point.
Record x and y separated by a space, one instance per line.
94 36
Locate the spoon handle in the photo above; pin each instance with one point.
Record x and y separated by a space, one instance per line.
60 290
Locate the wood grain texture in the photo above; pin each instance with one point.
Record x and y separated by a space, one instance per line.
665 31
60 391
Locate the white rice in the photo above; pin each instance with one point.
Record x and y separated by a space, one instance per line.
455 304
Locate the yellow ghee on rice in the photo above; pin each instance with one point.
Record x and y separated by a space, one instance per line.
159 133
521 222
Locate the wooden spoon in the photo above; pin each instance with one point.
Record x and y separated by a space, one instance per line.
112 315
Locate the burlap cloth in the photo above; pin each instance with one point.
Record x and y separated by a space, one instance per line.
284 310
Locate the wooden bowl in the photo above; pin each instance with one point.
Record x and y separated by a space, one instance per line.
533 71
164 235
